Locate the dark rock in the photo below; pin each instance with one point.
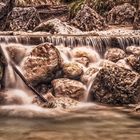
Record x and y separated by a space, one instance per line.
135 50
56 26
87 20
134 62
22 19
136 24
114 54
42 64
122 14
72 70
64 87
5 7
115 85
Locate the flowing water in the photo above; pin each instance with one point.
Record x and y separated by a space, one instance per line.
19 119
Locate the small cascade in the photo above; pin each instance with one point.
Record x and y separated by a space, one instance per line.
99 43
16 91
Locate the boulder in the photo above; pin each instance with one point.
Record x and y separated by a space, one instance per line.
72 70
56 26
134 62
22 19
123 14
114 54
5 7
87 20
115 85
42 64
135 50
64 87
84 52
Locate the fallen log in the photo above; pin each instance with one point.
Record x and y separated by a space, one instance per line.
27 84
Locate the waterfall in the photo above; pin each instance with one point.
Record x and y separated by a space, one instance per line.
99 43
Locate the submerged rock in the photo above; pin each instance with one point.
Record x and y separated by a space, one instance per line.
114 54
135 50
56 102
56 26
22 19
122 14
64 87
87 20
42 64
134 62
72 70
115 85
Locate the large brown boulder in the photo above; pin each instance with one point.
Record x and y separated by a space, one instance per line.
122 14
42 64
87 20
69 88
114 54
72 70
22 19
56 26
115 85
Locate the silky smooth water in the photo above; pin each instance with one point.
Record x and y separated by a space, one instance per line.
89 123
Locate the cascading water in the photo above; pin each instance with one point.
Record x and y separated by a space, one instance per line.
16 91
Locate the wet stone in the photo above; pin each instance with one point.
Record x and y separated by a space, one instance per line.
134 62
22 19
122 14
87 20
72 70
114 54
42 64
56 26
115 85
135 50
64 87
88 74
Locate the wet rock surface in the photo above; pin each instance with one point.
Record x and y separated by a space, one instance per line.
115 85
135 50
56 26
22 19
42 63
72 70
87 20
122 14
114 54
134 62
88 75
69 88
